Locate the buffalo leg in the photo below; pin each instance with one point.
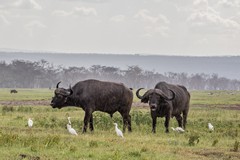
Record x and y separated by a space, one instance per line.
91 123
179 120
154 121
129 124
185 113
125 121
86 120
166 124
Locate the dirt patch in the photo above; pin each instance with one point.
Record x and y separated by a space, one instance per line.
218 154
231 107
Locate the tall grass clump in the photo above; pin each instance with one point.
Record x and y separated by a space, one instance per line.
141 118
50 121
51 141
7 109
8 139
24 109
135 154
105 122
193 139
236 146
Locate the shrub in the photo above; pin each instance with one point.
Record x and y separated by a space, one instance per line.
236 146
135 154
215 142
51 141
7 109
24 109
193 139
93 144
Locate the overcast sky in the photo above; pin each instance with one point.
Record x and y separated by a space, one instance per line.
164 27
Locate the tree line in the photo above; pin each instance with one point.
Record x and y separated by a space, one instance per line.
42 74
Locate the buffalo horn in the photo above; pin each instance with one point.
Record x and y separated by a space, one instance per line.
138 95
58 84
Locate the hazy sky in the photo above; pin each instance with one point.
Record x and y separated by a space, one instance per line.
172 27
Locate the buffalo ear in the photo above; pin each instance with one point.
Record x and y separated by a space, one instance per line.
145 99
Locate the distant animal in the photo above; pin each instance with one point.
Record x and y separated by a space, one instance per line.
167 100
71 130
13 91
210 127
30 122
210 93
178 129
93 95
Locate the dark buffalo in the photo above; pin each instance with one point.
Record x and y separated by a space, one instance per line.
167 100
94 95
13 91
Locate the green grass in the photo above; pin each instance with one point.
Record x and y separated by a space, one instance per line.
215 97
26 94
49 139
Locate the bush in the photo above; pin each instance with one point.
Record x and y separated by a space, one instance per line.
7 109
93 144
236 146
24 109
193 139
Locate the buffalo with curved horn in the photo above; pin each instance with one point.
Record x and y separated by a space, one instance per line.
93 95
167 100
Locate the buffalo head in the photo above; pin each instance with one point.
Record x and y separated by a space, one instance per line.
61 96
155 97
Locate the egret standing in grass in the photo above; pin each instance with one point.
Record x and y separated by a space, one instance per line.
118 131
71 130
210 127
178 129
30 122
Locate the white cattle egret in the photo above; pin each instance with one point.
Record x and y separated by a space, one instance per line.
30 122
118 131
71 130
210 127
69 122
178 129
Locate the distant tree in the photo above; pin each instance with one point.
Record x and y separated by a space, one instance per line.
133 76
42 74
197 82
212 82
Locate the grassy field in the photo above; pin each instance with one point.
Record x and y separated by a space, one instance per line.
49 139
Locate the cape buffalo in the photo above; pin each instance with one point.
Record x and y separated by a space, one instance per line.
167 100
93 95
